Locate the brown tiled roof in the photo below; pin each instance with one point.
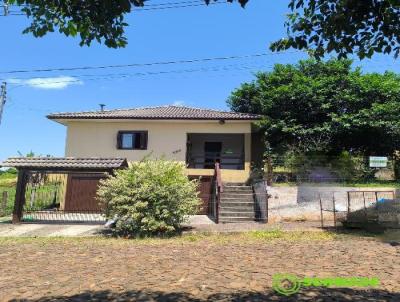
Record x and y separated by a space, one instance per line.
161 112
64 163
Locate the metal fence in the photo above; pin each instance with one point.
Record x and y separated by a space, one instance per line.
364 209
328 169
6 202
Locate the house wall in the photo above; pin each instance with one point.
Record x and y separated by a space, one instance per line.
89 138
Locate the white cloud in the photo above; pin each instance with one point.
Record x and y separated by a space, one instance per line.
60 82
178 103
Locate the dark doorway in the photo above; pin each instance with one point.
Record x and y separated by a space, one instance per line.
212 152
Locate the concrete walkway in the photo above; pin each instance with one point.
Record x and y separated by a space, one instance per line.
49 230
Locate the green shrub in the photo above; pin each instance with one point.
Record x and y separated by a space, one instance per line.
151 197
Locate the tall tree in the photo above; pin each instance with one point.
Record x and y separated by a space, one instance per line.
322 26
328 107
343 27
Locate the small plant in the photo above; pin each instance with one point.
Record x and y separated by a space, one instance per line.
151 197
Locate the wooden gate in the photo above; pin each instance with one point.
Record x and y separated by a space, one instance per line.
204 188
81 193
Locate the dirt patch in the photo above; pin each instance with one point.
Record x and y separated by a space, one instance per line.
191 270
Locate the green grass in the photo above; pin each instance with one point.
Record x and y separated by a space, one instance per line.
8 179
209 238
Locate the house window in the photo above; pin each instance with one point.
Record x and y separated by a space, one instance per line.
132 140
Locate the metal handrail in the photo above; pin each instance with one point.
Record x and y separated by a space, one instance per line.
218 189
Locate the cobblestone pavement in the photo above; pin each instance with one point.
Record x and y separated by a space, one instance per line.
232 270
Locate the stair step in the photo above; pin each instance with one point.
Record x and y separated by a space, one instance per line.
238 188
238 208
233 202
237 214
237 199
235 219
236 194
236 204
235 184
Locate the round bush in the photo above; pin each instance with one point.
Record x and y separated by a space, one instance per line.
151 197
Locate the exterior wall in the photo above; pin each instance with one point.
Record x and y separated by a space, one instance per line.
92 138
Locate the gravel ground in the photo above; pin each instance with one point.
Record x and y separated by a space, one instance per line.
220 269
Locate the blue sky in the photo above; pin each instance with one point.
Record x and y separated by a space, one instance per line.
154 36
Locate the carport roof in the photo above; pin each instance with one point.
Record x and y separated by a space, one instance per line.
65 163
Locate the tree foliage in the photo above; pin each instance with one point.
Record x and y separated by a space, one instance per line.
151 197
102 21
322 26
327 107
343 27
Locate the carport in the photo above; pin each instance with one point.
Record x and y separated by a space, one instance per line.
60 189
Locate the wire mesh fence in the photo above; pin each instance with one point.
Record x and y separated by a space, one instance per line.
321 169
362 209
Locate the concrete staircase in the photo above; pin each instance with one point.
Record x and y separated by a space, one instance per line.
237 203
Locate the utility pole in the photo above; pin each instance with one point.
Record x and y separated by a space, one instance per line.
3 98
6 8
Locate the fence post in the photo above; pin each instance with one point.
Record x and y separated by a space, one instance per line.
322 215
266 200
3 205
365 208
348 202
334 210
19 197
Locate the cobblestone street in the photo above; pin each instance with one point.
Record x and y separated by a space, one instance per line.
184 270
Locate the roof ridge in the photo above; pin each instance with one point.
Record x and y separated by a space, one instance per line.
158 112
150 107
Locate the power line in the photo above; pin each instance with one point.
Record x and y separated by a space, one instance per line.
140 74
3 98
200 60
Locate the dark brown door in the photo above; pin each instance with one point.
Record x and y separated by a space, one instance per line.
81 193
204 189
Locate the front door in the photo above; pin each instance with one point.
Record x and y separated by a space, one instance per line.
212 154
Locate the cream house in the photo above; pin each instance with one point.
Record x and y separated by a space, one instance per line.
197 137
98 142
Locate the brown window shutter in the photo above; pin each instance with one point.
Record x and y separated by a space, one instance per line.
143 140
119 140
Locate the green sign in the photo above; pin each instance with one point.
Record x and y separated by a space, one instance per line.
378 161
286 284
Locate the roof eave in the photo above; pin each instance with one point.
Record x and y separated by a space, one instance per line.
64 120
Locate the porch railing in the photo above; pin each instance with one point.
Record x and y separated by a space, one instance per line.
234 161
